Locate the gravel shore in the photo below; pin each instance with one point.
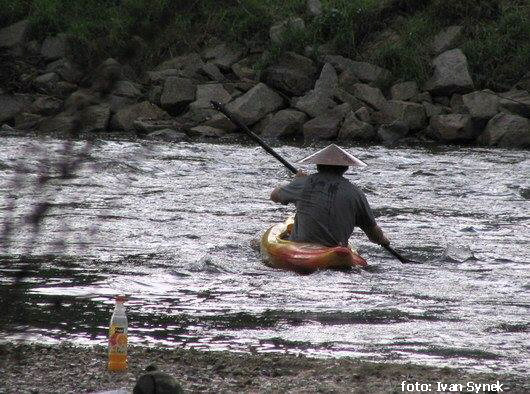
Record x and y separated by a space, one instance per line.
31 368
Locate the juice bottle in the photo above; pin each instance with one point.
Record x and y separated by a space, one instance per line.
118 337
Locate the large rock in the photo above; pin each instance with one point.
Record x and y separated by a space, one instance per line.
481 105
14 35
66 70
390 133
219 121
46 82
207 131
201 109
328 81
412 114
432 109
187 65
223 56
63 123
106 75
324 127
54 47
507 131
27 121
453 127
342 96
365 72
293 74
10 106
451 74
283 123
517 102
167 135
80 99
255 104
46 105
213 72
356 130
63 89
177 94
446 39
124 119
404 91
95 118
280 30
370 95
126 89
314 103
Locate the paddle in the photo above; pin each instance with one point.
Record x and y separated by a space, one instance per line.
221 108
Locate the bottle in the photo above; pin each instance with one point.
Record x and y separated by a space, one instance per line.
118 337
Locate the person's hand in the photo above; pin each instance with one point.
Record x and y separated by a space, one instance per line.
300 173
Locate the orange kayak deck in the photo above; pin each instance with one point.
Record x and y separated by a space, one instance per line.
303 257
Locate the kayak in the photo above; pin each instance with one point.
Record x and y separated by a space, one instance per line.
303 257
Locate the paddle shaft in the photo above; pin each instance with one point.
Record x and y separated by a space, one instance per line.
221 108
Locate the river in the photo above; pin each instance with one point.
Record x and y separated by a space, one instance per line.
171 226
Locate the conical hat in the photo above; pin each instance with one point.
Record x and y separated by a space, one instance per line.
333 155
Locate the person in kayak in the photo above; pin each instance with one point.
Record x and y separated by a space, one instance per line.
328 206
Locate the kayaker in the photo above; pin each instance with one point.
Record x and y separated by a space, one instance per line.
328 206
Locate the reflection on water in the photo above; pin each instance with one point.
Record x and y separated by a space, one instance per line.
171 225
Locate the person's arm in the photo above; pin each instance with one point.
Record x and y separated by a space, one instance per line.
286 194
376 235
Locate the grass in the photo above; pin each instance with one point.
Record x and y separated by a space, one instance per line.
497 32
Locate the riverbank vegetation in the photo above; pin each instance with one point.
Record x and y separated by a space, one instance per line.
395 34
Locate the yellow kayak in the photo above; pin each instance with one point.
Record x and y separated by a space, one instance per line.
303 257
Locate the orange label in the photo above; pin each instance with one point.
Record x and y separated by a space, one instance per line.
117 340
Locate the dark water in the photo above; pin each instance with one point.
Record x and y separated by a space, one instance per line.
171 226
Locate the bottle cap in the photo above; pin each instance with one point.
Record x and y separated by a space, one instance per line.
121 298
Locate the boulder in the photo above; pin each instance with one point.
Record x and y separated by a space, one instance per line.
63 89
126 89
46 105
54 47
516 102
255 104
481 105
117 103
154 94
80 99
363 114
314 7
124 119
206 131
314 103
422 97
14 35
187 65
432 109
201 109
219 121
453 127
356 130
293 74
94 118
347 79
457 104
244 68
412 114
10 105
105 75
63 123
342 96
283 123
279 31
66 70
446 39
324 127
451 74
177 94
157 77
167 135
223 56
46 82
390 133
370 95
364 72
27 121
327 83
146 126
404 91
507 131
212 72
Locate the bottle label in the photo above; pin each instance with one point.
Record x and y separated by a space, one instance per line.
117 339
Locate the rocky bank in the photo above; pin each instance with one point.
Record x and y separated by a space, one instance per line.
313 96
